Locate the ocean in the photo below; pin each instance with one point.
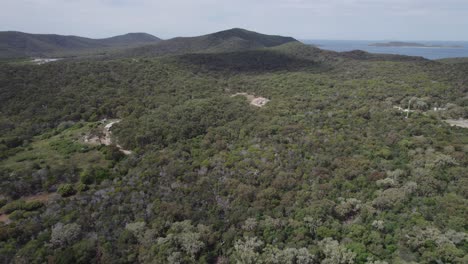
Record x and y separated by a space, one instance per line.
426 52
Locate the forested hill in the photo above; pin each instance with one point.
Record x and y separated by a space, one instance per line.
224 41
265 154
18 44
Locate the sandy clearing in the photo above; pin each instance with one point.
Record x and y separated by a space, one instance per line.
105 137
255 101
459 123
403 110
40 61
124 151
41 197
5 219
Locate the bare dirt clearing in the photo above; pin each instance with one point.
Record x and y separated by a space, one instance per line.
40 61
459 123
402 109
42 197
104 137
255 101
4 218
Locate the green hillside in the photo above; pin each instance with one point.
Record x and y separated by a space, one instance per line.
19 45
330 169
224 41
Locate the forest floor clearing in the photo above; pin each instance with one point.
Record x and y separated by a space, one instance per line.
41 197
105 137
403 110
255 101
40 61
459 123
57 148
4 218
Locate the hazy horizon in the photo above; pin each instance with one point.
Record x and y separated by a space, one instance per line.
299 39
408 20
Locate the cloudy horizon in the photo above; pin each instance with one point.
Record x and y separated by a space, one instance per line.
314 19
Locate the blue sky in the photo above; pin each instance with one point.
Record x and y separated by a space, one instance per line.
303 19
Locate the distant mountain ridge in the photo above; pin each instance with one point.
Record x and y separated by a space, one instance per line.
134 45
240 41
14 44
235 39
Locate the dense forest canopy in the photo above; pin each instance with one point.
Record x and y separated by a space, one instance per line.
350 160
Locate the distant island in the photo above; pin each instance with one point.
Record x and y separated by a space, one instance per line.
411 44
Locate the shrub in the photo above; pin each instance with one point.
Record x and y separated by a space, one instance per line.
21 205
33 205
63 235
3 202
94 175
11 207
66 190
81 187
16 215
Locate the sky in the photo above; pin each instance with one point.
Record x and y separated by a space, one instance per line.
303 19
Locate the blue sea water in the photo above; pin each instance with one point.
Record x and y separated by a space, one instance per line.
429 53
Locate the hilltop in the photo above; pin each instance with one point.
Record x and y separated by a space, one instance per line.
15 44
235 39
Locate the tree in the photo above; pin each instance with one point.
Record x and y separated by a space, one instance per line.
347 208
247 251
66 190
273 255
334 253
64 235
183 241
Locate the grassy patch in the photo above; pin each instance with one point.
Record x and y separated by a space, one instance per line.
58 148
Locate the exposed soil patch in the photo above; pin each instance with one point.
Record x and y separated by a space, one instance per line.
459 123
5 219
40 61
104 137
255 101
403 110
42 197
